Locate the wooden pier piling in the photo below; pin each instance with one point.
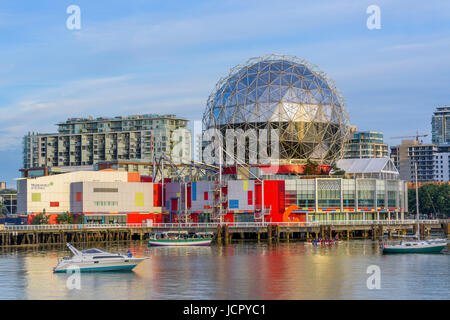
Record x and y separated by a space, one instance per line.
42 235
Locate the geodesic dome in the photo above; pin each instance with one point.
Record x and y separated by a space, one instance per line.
286 94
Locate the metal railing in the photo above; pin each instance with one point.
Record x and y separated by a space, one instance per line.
71 226
212 225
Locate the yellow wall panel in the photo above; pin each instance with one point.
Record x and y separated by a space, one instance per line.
36 197
139 199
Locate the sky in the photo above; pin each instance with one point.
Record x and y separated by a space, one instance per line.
144 56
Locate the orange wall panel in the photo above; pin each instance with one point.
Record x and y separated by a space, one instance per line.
134 177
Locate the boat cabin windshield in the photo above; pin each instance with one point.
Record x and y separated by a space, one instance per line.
92 251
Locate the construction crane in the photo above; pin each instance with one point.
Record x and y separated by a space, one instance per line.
416 136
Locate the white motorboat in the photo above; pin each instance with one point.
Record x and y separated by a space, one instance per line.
96 260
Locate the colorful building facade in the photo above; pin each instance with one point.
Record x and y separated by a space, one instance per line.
121 197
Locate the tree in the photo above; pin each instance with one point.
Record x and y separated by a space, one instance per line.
40 218
79 218
310 168
2 209
66 218
8 191
433 199
70 218
336 171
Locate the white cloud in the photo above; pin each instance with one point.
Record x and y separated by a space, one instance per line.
111 96
205 43
243 21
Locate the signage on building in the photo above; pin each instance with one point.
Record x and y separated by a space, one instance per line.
40 186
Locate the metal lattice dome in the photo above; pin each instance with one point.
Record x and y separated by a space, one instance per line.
286 94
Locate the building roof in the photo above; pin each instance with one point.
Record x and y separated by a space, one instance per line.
369 165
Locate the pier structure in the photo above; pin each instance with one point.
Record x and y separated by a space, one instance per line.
35 235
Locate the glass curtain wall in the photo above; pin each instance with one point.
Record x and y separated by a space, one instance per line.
369 195
392 193
306 189
290 193
366 198
329 198
348 192
381 198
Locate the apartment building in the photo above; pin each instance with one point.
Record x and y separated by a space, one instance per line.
82 142
365 144
440 125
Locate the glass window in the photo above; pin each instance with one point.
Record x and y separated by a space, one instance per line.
366 193
329 193
381 201
306 193
348 193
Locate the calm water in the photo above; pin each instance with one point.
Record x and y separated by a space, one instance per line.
239 271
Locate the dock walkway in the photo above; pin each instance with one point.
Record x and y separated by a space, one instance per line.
23 235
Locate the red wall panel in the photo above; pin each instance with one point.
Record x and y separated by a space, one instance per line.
139 217
174 204
257 194
146 179
229 217
274 197
189 196
157 195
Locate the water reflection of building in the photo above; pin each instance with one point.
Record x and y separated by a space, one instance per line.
12 274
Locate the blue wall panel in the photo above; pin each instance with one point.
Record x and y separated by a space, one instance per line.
194 191
233 204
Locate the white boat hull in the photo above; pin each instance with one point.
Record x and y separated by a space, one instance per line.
91 266
179 243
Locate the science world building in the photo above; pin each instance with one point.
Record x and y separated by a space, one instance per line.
291 100
279 106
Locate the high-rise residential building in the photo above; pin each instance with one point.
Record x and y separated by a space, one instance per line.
424 155
84 142
365 144
2 185
442 167
440 125
400 157
432 161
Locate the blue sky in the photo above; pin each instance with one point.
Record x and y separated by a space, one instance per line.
141 56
